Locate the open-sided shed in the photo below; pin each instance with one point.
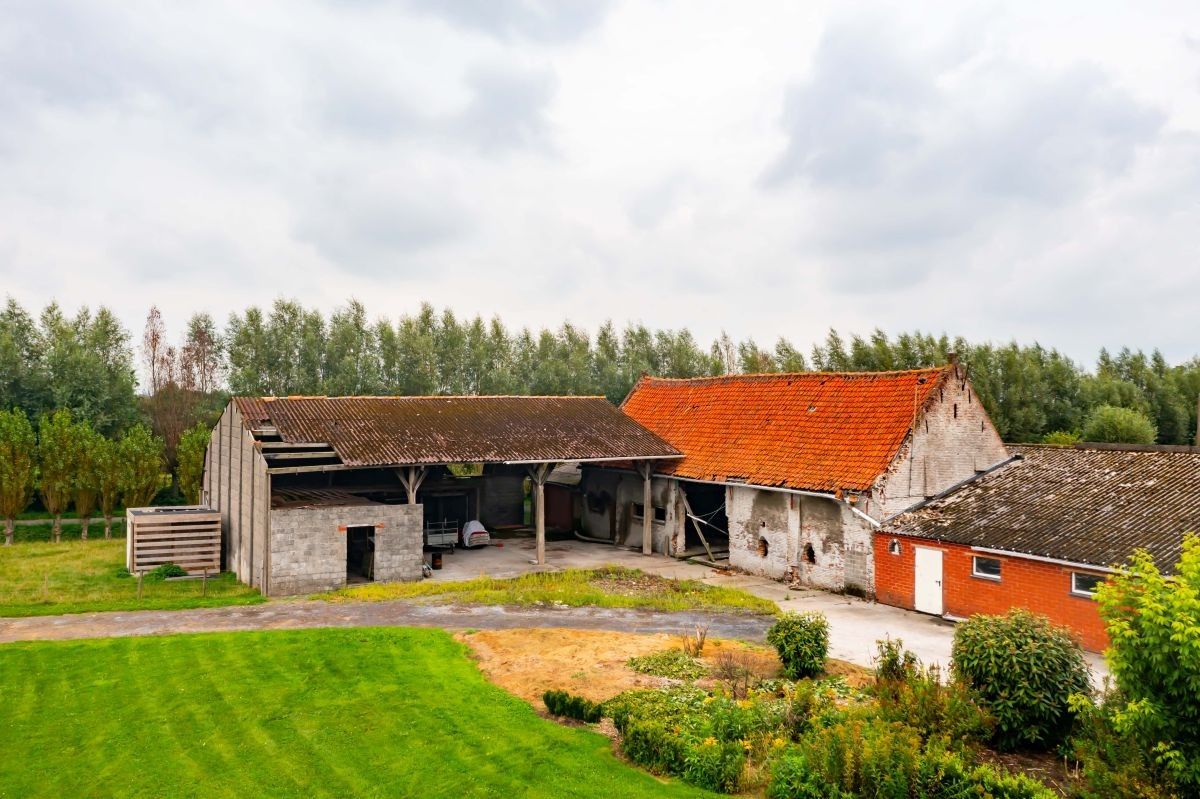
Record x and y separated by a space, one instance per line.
305 485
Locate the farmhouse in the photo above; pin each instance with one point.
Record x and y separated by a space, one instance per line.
1041 533
316 491
792 473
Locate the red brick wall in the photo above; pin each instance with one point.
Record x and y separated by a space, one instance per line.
1038 586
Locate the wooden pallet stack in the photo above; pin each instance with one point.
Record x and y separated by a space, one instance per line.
188 536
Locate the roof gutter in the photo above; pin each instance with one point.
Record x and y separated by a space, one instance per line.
1043 559
954 487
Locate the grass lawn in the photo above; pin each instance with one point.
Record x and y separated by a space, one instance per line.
612 587
309 713
38 579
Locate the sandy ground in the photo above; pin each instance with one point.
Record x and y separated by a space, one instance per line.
593 663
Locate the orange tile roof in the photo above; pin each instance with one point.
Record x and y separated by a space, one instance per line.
814 431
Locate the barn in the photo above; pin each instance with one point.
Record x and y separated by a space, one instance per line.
1041 533
790 475
314 492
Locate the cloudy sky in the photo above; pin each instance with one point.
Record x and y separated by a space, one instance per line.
997 170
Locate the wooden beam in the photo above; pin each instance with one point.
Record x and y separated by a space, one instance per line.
687 510
538 475
272 457
266 445
411 478
332 467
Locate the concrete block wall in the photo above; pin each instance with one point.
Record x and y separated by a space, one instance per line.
308 545
1024 583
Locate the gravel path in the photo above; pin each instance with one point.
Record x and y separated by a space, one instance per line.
296 615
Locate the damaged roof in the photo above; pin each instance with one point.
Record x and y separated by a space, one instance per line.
1081 504
816 431
396 431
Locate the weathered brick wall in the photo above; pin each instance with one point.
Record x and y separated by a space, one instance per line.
625 489
953 439
308 545
1036 585
761 524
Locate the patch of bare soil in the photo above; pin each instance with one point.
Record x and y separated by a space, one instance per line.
634 584
1042 766
589 663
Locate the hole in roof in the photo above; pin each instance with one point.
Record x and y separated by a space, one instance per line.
812 408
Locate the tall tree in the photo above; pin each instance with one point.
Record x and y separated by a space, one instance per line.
200 356
110 474
190 468
158 357
57 466
87 485
246 348
17 467
351 353
143 472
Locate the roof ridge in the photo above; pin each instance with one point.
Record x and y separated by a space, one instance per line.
793 375
425 397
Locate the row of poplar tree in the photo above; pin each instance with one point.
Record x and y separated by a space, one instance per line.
86 363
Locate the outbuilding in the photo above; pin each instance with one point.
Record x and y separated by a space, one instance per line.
1042 533
314 492
791 474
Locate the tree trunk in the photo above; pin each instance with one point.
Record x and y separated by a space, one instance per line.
8 532
83 527
57 529
107 527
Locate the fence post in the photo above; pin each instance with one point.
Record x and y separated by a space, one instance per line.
139 586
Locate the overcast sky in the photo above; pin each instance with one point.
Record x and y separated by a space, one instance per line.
997 170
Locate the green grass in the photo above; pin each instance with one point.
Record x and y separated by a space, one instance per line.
309 713
39 579
611 587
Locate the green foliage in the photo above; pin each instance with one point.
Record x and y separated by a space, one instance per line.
1114 764
1061 438
655 746
673 706
920 699
715 765
88 445
1153 625
561 703
190 462
166 570
1110 424
57 451
1023 670
109 471
894 663
18 466
142 462
671 663
802 641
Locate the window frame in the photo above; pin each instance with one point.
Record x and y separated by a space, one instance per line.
1075 591
982 575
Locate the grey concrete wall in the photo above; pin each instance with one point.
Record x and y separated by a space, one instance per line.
625 489
308 545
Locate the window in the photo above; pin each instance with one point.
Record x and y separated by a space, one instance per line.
1085 584
894 546
988 568
660 514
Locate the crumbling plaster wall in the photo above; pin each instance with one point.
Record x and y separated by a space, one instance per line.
308 545
609 497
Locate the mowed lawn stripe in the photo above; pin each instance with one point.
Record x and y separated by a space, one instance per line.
372 712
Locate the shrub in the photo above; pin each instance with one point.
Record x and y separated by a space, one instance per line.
1109 423
1061 438
672 663
894 663
802 641
1114 764
730 720
650 743
715 765
1154 628
166 570
1024 671
919 698
672 706
561 703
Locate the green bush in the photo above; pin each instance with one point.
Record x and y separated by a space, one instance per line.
919 698
652 744
674 706
672 663
730 720
802 641
1112 424
1023 670
1061 438
166 570
894 663
1114 764
561 703
715 765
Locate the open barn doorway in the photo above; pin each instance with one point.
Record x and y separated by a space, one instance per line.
360 554
706 522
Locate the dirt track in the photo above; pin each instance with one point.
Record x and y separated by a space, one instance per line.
303 614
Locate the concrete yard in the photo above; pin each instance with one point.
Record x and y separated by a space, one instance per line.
854 624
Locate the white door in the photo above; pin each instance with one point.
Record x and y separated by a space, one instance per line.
928 580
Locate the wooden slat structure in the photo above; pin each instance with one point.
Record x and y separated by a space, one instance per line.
188 536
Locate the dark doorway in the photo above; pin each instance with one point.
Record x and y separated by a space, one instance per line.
360 554
707 503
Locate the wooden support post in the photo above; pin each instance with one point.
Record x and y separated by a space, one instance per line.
538 476
646 471
411 478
